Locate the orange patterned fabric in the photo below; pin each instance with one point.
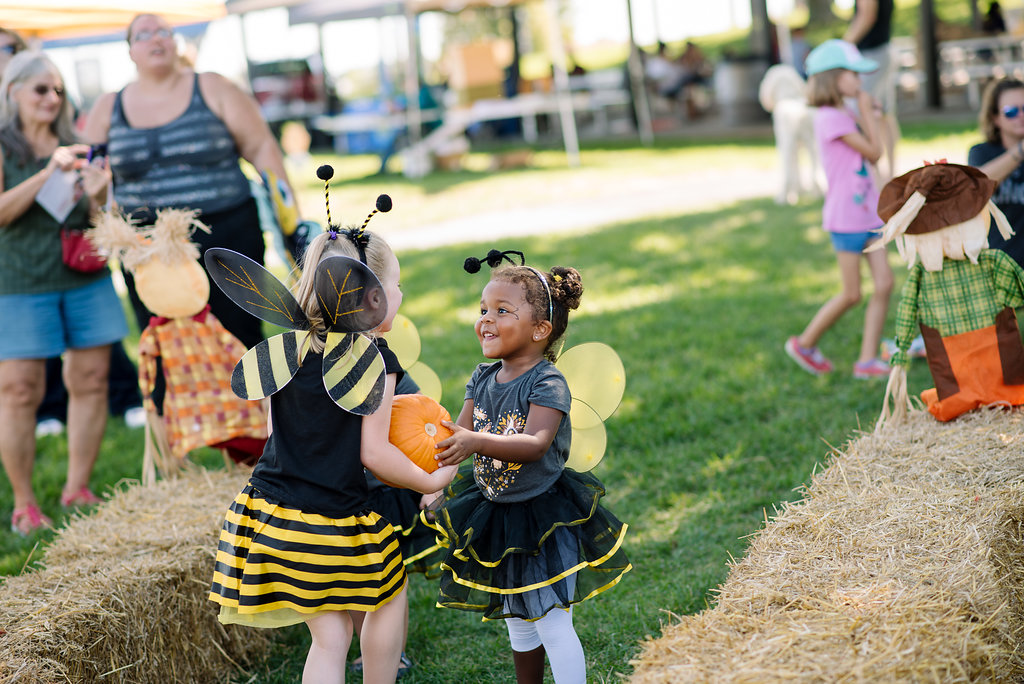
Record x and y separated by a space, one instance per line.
200 409
975 369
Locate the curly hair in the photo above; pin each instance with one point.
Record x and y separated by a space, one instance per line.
566 287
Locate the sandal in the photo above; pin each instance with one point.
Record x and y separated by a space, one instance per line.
404 665
25 521
83 497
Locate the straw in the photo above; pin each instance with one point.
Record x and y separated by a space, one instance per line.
903 563
123 594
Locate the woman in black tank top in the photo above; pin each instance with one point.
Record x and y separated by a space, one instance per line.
175 139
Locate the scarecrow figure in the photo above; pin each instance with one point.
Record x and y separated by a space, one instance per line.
184 346
961 293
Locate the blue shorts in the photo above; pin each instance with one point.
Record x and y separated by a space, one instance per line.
41 326
853 242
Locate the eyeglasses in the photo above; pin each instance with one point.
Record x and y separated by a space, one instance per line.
9 49
143 36
42 90
1012 112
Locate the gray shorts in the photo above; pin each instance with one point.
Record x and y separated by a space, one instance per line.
881 83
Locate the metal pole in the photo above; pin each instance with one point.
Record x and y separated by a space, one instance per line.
561 77
641 105
414 117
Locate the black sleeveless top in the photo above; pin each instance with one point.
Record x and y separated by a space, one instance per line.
312 460
881 31
191 162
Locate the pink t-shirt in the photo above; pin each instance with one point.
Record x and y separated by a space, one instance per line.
851 201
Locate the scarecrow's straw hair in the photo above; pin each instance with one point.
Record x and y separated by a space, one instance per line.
168 239
904 563
123 596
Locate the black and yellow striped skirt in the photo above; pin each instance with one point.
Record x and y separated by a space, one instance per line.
278 565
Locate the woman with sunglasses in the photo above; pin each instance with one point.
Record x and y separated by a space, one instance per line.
1000 157
47 309
175 138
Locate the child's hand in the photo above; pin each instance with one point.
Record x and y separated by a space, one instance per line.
429 498
456 448
869 107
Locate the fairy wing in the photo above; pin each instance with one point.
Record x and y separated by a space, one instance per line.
270 365
597 381
350 296
254 288
354 372
404 340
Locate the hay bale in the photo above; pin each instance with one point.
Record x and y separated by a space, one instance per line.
122 597
903 563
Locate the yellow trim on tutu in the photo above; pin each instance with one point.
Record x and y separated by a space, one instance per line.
557 578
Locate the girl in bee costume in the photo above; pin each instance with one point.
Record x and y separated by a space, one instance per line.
527 537
299 543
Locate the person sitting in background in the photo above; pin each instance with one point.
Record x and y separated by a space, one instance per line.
994 22
145 125
54 309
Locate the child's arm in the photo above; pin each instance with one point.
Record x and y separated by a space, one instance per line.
524 447
384 459
868 142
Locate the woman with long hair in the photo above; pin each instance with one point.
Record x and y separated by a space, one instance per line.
55 310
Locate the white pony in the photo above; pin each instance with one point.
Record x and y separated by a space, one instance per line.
783 93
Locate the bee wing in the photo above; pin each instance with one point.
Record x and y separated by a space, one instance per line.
254 288
351 297
596 378
354 372
427 380
404 340
589 439
269 366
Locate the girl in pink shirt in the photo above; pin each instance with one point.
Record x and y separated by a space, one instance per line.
849 145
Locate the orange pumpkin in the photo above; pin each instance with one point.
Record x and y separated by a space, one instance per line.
416 427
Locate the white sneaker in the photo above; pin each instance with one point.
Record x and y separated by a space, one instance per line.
135 417
49 426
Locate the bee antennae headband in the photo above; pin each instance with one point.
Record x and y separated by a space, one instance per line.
358 235
494 259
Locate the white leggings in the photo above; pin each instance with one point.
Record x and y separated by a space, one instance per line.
556 634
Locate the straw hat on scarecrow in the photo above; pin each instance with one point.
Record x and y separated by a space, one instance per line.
961 294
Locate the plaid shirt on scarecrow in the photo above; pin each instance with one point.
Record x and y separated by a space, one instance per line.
959 298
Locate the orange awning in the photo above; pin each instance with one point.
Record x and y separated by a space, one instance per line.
56 19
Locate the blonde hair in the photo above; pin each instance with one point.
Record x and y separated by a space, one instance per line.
378 252
823 89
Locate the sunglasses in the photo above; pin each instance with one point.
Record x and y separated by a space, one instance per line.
143 36
1012 112
9 49
42 90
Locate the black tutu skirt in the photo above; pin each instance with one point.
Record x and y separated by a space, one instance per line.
421 551
523 559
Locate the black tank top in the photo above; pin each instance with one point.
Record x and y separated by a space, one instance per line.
881 31
191 162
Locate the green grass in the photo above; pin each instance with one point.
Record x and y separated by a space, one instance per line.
717 426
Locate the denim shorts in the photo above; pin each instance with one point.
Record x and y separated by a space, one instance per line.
853 242
41 326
